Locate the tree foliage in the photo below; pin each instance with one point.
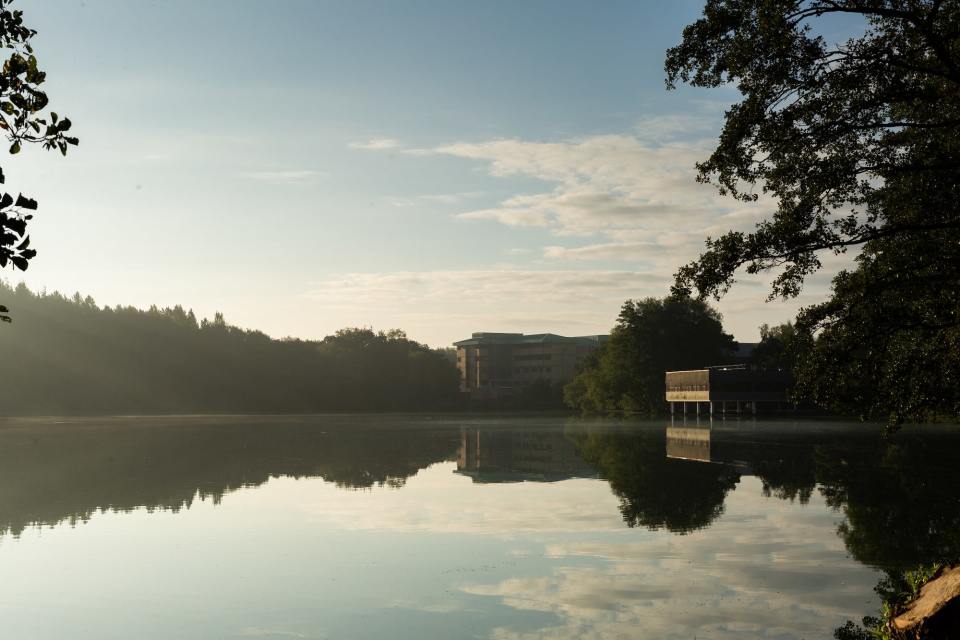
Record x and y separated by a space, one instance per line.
74 357
777 347
22 102
858 143
651 337
887 345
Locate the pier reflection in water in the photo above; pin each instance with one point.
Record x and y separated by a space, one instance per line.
415 527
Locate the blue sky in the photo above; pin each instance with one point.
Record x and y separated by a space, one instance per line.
442 167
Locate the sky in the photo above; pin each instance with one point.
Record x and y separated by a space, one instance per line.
440 167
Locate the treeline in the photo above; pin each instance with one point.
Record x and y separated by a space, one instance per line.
67 356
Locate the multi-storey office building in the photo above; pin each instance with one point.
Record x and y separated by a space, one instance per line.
501 364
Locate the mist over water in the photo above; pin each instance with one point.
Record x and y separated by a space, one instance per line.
416 526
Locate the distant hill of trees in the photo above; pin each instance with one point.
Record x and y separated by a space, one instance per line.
65 356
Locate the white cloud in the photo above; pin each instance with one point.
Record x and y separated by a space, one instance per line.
448 305
635 196
289 176
433 199
637 199
376 144
260 632
481 287
600 183
451 198
628 198
439 307
634 251
673 126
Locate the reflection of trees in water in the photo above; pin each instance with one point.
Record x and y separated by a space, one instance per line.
65 473
654 491
900 498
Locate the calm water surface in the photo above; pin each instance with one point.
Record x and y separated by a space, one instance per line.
413 527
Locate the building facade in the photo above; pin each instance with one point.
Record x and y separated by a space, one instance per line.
503 364
739 385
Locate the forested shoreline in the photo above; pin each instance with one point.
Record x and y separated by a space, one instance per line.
69 356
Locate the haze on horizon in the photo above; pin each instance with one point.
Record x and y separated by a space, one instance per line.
433 167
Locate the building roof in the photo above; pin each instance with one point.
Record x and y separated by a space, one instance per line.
745 349
488 338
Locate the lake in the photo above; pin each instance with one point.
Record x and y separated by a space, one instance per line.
419 527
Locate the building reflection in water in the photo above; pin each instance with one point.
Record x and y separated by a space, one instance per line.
500 455
688 443
694 442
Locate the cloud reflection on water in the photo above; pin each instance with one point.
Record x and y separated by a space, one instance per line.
766 569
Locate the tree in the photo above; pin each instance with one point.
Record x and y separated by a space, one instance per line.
776 348
887 344
859 143
21 104
651 337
